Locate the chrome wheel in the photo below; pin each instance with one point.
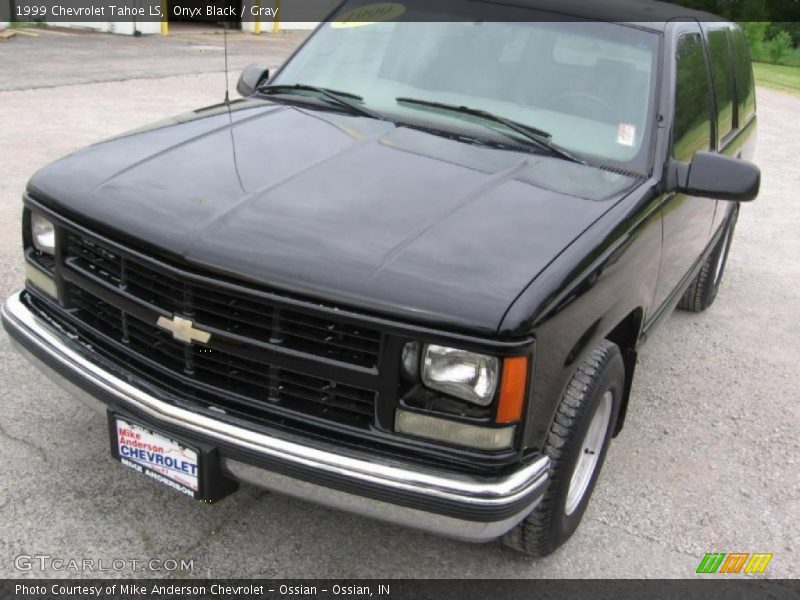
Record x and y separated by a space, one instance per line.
590 453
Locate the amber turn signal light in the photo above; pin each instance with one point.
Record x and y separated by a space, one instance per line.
512 389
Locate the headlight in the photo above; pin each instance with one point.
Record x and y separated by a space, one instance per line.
466 375
43 233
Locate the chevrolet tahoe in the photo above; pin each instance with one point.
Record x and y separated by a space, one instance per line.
408 274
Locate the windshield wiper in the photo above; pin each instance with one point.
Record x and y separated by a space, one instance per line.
537 137
333 97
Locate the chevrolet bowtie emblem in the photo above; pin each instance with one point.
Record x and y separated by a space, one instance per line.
183 330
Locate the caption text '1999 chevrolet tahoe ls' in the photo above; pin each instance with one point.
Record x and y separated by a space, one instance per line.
407 275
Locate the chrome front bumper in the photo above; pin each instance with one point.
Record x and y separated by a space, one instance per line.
442 502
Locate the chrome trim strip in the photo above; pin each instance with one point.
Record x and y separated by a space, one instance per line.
471 531
461 489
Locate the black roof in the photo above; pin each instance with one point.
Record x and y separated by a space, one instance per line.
650 12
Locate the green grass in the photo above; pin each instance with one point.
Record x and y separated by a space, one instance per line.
778 77
27 24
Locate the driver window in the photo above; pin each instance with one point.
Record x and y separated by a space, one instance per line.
691 131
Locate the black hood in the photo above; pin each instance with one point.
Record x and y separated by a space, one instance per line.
347 209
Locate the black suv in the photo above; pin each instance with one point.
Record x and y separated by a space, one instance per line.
408 274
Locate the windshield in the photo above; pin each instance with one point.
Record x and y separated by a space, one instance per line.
588 84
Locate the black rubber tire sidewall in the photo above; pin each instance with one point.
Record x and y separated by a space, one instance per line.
612 378
548 526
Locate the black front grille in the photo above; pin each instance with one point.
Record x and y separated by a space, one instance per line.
220 309
232 371
241 383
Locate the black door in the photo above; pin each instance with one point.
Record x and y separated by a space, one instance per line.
687 220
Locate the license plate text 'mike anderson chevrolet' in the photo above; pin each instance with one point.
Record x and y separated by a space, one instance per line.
157 456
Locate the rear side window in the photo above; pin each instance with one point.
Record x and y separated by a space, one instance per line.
722 72
691 130
744 77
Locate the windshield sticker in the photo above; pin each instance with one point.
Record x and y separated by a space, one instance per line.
369 15
626 135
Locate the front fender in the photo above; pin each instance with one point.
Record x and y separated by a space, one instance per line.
598 281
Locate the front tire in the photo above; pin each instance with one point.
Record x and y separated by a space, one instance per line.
576 444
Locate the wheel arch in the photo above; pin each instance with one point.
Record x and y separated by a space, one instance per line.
626 335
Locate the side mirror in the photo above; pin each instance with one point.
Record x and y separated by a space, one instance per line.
251 78
712 175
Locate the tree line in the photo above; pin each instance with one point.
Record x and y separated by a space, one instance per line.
772 27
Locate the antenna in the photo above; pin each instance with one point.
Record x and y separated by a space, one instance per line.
225 44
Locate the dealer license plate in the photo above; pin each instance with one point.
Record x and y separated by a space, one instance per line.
158 456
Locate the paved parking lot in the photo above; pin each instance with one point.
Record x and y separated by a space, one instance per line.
708 460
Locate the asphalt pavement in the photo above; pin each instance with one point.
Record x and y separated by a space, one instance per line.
707 462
